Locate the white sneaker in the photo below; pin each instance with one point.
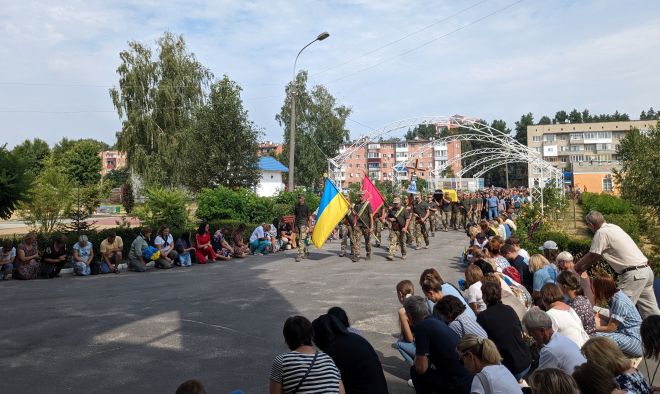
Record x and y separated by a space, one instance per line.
410 384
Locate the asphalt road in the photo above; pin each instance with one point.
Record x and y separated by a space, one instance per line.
220 323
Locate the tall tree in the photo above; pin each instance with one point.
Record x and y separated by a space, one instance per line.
222 145
33 153
545 120
521 127
422 132
156 99
586 116
575 116
15 182
82 163
320 130
560 117
640 168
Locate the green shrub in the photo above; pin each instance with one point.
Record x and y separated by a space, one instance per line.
605 204
163 206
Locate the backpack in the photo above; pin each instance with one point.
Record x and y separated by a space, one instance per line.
151 253
512 273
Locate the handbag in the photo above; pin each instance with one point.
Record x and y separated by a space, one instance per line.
306 373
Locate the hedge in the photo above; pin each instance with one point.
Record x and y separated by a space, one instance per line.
606 204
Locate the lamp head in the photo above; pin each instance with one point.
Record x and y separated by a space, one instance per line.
323 36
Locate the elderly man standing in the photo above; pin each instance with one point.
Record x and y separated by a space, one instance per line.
622 254
557 351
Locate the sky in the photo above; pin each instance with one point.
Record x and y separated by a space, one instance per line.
387 60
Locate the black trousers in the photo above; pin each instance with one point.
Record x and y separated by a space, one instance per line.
49 270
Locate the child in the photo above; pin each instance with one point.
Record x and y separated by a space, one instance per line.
184 248
405 344
7 257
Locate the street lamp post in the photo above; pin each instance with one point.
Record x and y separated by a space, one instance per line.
292 126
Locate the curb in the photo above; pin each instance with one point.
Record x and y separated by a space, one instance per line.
122 267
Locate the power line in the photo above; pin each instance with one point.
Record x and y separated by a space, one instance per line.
400 39
427 42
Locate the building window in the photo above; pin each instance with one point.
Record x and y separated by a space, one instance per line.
604 134
577 158
539 149
590 136
549 138
536 138
576 148
402 145
372 155
576 136
590 147
607 183
563 137
564 159
357 166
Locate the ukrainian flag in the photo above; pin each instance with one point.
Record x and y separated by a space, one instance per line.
332 210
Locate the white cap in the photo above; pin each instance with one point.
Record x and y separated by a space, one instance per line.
551 245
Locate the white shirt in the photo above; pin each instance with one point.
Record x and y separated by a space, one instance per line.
474 295
568 324
273 231
617 248
511 224
499 380
9 258
561 353
161 241
257 233
524 254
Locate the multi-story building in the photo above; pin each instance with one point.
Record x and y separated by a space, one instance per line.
112 160
379 159
270 148
588 150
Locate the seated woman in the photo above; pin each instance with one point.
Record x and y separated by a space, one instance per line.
185 249
543 273
486 229
480 356
260 240
493 247
286 235
503 327
241 249
564 319
604 352
27 258
623 324
447 289
7 258
569 282
164 242
54 258
83 257
136 260
473 276
341 315
565 263
358 363
452 311
552 380
222 249
508 296
203 249
592 378
406 342
288 370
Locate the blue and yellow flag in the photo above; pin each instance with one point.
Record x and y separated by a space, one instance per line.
332 210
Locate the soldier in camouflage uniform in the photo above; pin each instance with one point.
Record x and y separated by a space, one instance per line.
445 206
455 214
399 219
433 218
378 224
363 226
346 233
421 212
302 224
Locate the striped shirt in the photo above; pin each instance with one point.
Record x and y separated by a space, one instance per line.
289 368
464 324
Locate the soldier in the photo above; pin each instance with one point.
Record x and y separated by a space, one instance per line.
362 227
421 212
378 224
445 206
399 219
433 218
302 224
345 228
409 205
464 203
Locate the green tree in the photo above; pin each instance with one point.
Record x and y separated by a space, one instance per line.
225 138
521 127
51 198
82 163
117 177
586 116
156 100
164 206
15 182
575 116
640 168
34 153
64 146
422 132
545 120
320 130
127 197
560 117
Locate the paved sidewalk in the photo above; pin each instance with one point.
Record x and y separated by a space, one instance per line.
221 323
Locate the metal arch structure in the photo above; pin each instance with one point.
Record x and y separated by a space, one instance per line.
505 150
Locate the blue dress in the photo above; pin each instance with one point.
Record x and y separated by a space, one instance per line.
627 334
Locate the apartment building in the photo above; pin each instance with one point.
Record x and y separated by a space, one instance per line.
112 160
379 159
270 148
587 150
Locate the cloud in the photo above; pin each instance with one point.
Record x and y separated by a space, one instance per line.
534 56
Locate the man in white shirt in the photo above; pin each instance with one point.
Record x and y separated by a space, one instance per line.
557 351
622 254
260 240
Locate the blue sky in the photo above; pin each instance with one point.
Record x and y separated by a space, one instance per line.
59 57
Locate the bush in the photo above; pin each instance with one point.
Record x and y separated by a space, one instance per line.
605 203
163 206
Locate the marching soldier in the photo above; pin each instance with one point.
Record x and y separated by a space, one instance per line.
463 203
445 206
302 224
455 214
346 233
363 225
378 224
433 218
409 205
399 219
421 212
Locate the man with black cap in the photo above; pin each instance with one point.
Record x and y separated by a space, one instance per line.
363 225
420 213
399 220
